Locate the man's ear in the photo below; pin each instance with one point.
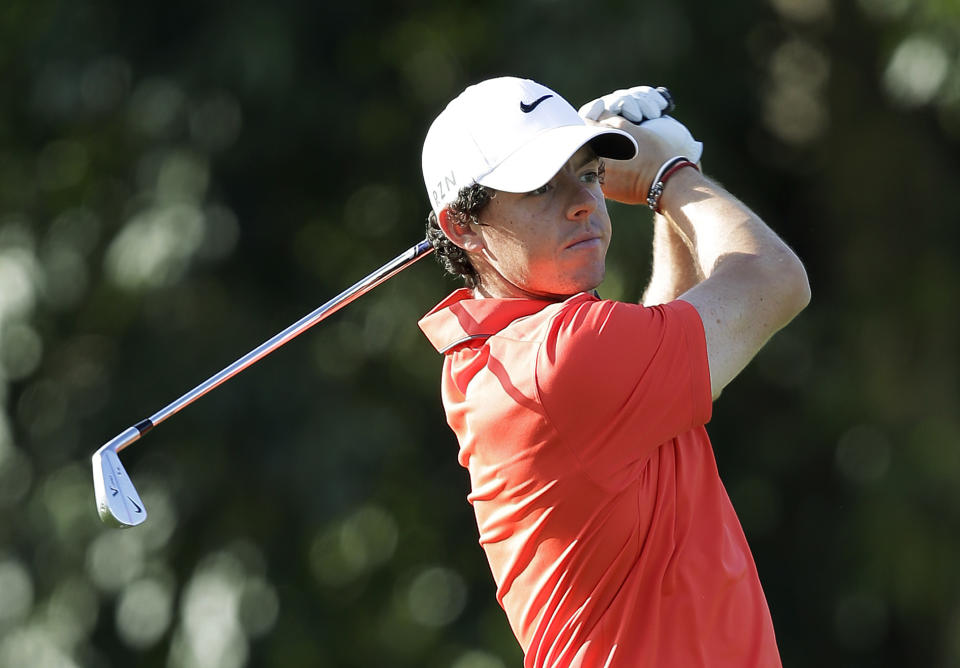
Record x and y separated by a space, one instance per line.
461 234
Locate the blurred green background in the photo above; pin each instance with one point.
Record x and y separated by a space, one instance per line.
180 180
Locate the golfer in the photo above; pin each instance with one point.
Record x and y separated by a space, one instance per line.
609 534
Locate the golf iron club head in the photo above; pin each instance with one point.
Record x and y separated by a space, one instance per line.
118 503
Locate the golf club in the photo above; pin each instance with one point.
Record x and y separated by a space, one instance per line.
117 500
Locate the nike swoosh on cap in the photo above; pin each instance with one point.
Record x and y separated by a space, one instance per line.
527 108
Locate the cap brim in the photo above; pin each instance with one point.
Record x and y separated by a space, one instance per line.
539 160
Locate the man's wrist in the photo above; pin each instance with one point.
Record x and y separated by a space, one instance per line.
664 174
678 188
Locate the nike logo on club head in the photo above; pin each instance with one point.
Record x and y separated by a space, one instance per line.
136 505
527 108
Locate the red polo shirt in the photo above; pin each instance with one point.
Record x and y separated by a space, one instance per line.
609 534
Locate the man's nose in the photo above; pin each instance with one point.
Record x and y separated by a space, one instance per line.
583 201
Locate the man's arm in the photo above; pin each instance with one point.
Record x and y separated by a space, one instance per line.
674 268
753 283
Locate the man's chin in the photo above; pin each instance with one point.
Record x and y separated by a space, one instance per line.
589 287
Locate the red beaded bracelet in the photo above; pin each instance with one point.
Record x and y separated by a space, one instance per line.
666 170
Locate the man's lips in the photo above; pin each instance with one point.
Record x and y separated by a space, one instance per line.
584 242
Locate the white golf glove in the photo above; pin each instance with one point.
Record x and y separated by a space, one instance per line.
643 104
637 104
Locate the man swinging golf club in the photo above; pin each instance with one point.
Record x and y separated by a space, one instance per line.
581 420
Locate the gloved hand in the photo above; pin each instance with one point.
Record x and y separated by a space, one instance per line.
637 104
645 105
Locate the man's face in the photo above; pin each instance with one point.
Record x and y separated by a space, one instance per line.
551 242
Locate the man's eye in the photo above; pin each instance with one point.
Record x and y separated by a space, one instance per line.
541 190
594 176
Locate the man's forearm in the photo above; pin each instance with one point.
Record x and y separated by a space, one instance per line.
675 269
753 283
716 224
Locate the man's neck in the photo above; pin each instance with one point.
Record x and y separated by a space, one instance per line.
484 291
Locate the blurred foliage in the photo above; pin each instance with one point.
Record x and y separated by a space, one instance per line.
180 180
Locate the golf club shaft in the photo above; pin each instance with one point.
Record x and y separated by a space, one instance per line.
359 288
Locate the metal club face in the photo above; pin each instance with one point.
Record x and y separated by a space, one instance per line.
118 503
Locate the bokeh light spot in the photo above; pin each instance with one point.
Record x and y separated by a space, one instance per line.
259 607
437 596
803 11
20 350
182 176
144 612
17 587
115 558
916 71
885 9
16 231
154 248
795 114
477 659
210 634
18 274
346 550
797 62
72 610
34 646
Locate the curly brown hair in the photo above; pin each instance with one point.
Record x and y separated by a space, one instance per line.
465 209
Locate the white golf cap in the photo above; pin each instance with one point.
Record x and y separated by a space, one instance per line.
508 134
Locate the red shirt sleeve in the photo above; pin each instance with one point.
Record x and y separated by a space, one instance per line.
617 380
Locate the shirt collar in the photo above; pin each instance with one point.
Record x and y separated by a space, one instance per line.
461 317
